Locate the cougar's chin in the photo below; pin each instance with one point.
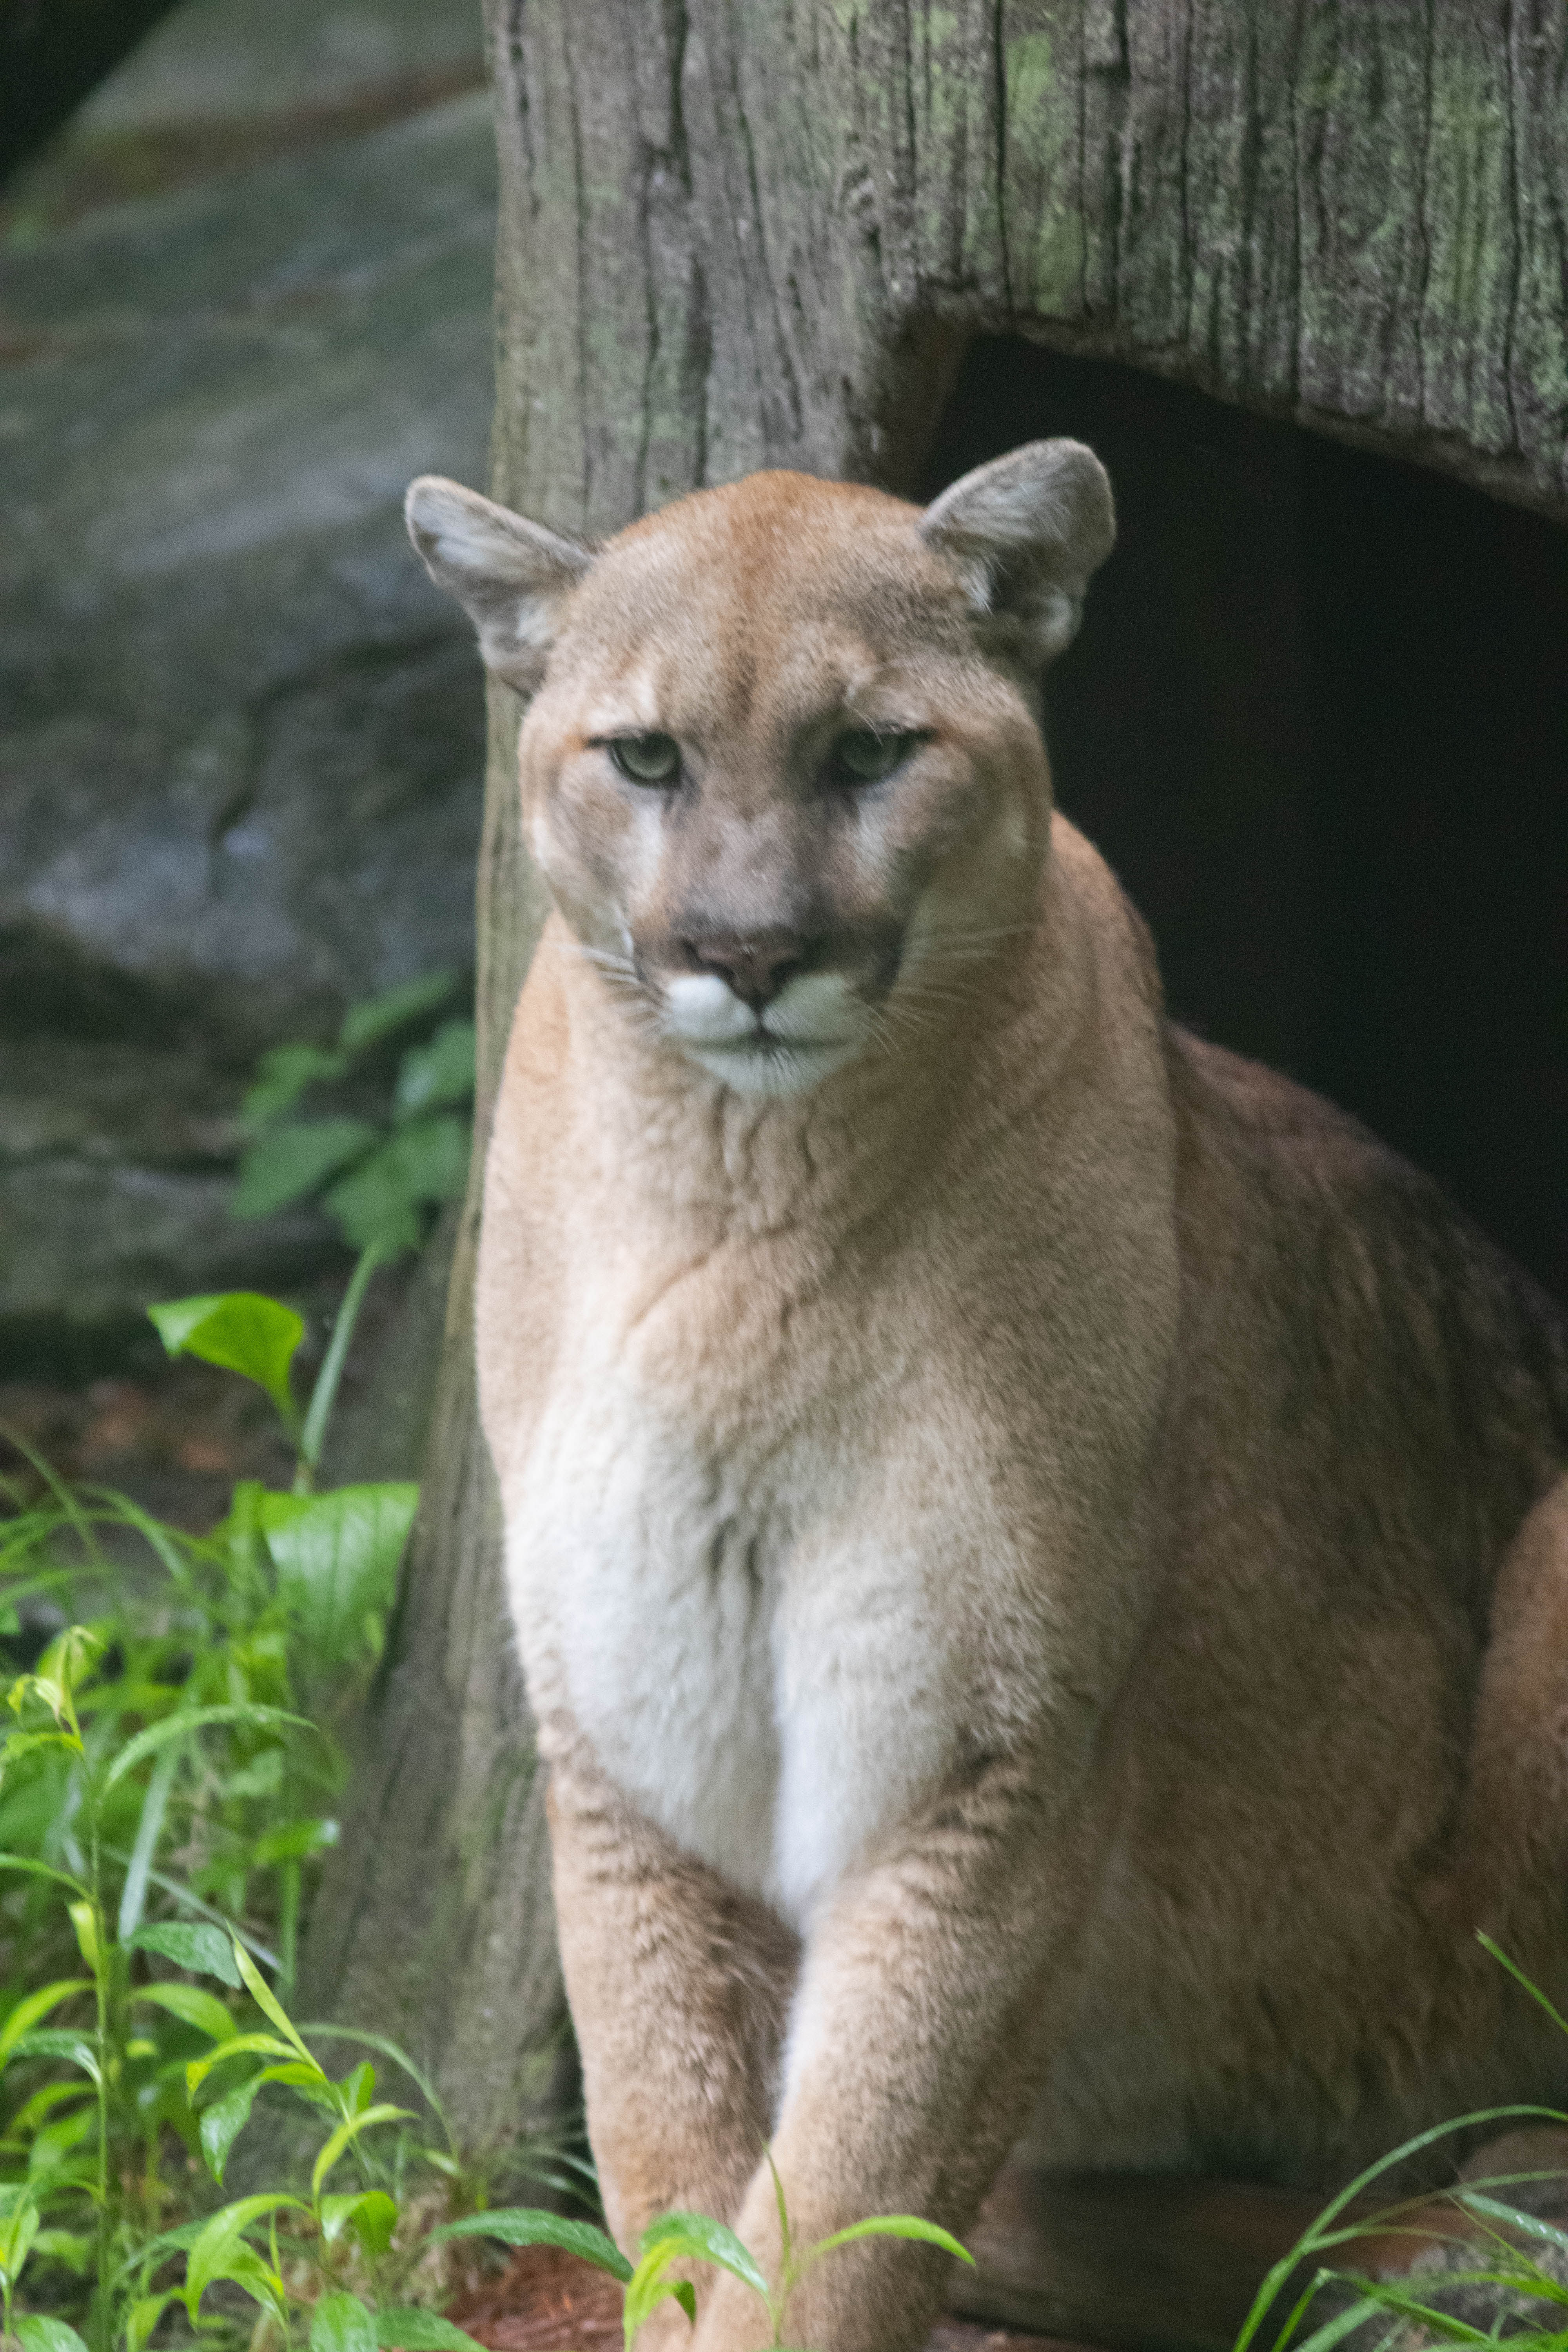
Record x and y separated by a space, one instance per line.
814 1024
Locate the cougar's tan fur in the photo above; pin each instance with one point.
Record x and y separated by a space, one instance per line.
1038 1547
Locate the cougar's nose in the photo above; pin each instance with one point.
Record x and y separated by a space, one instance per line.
755 967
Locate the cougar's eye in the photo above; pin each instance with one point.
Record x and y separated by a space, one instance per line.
861 756
646 759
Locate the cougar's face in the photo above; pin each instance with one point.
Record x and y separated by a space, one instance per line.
780 798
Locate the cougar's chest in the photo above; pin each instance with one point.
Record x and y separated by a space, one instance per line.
752 1659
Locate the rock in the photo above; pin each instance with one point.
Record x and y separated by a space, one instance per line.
241 736
116 1175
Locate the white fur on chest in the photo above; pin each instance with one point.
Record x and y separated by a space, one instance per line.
758 1665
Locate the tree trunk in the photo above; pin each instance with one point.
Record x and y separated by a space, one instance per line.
742 236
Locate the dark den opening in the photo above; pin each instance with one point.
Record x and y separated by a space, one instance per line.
1317 719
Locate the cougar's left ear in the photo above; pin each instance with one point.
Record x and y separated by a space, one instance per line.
511 577
1025 532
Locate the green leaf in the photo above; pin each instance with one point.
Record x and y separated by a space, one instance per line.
143 2317
698 2238
223 2122
238 1331
220 2251
650 2284
337 1558
288 1162
370 2214
239 2045
194 1718
340 2322
409 2329
282 1075
38 2332
206 1950
192 2005
149 1830
346 2133
50 2043
440 1072
377 1016
84 1918
18 2228
380 1203
267 2001
41 1870
33 2006
1528 2225
73 2248
891 2225
524 2225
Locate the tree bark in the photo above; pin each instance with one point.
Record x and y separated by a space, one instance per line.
736 235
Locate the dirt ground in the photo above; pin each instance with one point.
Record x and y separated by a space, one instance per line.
545 2301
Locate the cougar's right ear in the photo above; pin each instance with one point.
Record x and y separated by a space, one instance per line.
511 577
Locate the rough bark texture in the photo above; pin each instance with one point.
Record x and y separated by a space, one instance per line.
736 235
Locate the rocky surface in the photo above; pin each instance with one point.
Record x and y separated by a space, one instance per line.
240 735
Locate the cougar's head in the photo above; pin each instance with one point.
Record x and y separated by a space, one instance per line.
782 757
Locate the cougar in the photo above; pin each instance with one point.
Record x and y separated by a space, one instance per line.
1039 1548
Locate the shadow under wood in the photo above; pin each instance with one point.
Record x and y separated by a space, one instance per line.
1145 2264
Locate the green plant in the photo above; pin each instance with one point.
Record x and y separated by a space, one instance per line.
170 1763
1514 2284
378 1177
72 2202
676 2238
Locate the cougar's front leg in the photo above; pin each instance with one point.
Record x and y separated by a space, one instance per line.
920 2027
680 1988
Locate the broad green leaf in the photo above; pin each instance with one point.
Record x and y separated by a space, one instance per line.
219 2249
441 1072
84 1920
222 2123
380 1201
143 2317
287 1162
18 2228
43 2103
409 2329
698 2238
282 1075
38 2333
340 2322
650 2284
28 1743
267 2001
239 2045
377 1016
192 2005
337 1557
34 2005
346 2133
196 1718
370 2214
41 1870
208 1949
891 2225
524 2225
73 2248
240 1331
49 2041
